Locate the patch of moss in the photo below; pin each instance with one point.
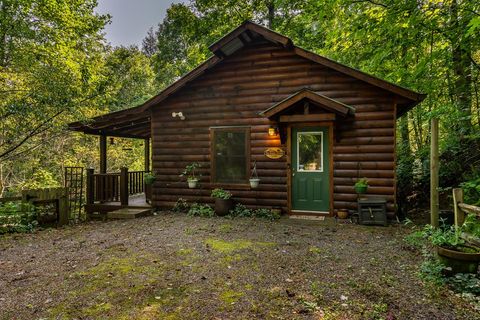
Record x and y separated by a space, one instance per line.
185 252
315 250
228 247
225 228
102 289
230 297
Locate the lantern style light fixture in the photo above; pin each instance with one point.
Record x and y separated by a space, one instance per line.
273 131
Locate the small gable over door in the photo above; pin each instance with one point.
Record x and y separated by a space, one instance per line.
307 106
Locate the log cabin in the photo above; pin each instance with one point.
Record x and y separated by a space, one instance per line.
311 127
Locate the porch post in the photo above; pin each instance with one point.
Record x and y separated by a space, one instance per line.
147 154
103 154
124 186
90 194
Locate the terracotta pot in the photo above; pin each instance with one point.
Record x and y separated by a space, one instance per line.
342 214
460 262
223 206
192 183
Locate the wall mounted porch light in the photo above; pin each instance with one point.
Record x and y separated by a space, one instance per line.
178 114
273 131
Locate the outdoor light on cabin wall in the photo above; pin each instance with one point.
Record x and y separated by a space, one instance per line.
273 131
178 114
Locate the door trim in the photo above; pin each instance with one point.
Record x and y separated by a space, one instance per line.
329 125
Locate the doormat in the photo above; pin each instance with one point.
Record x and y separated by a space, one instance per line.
307 217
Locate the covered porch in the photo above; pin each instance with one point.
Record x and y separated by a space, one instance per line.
108 192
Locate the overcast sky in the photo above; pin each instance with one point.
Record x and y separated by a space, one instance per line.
131 19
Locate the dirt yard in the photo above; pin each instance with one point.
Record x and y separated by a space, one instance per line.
176 267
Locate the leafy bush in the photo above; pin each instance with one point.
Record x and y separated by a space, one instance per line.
472 225
221 194
465 282
17 217
200 210
241 211
181 206
471 191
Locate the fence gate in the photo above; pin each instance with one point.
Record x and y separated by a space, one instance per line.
74 183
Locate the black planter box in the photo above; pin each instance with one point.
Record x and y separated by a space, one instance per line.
372 211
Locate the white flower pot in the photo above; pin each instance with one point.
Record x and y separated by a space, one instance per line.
192 184
254 182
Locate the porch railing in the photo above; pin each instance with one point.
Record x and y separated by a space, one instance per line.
113 187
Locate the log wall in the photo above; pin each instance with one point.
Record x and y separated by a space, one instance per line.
253 79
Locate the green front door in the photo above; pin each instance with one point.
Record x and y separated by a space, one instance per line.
310 169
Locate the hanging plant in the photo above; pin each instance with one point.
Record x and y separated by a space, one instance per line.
254 180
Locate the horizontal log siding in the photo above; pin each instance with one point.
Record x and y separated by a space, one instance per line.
232 94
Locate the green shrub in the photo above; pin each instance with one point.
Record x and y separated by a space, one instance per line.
17 217
241 211
465 283
266 214
471 191
221 194
181 206
201 210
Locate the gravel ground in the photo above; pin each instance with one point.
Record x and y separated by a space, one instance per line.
177 267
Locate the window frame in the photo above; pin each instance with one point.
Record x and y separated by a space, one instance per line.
241 184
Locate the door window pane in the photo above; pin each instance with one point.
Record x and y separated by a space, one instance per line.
310 151
230 155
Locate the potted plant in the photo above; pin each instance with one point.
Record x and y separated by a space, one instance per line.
361 186
342 214
452 250
149 178
189 172
254 180
223 201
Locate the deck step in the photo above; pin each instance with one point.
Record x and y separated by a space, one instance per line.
129 213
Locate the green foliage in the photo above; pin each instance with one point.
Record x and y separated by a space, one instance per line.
17 217
361 183
445 236
181 206
471 191
190 171
149 178
471 225
221 194
241 211
201 210
465 282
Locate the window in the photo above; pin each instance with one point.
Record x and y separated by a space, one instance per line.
310 151
230 154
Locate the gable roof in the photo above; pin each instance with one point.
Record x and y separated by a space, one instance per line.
326 102
235 40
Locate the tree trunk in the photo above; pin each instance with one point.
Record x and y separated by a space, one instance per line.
462 70
271 14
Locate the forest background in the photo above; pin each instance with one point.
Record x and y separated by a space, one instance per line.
56 67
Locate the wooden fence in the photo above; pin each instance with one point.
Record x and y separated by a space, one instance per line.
462 209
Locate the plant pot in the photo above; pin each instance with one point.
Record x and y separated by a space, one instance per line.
148 192
342 214
192 183
254 183
460 262
223 206
361 189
